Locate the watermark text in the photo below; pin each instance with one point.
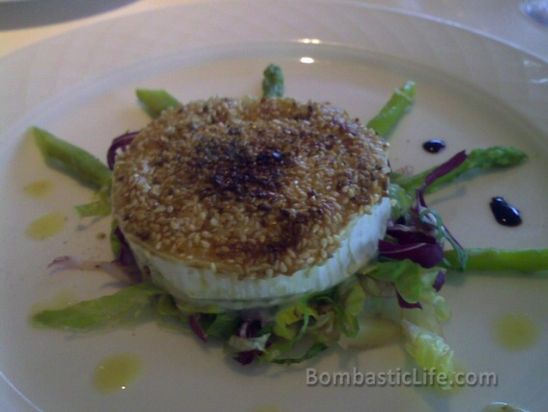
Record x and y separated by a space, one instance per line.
399 377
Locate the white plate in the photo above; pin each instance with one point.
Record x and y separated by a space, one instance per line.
472 91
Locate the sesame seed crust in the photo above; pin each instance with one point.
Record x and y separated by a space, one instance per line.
245 187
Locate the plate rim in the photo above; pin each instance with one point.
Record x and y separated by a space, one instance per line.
79 86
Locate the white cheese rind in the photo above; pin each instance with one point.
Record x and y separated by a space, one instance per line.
204 286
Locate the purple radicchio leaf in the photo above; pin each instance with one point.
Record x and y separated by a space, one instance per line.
125 257
425 217
119 143
425 254
438 172
247 357
444 168
64 263
406 305
405 235
429 218
196 326
250 328
439 281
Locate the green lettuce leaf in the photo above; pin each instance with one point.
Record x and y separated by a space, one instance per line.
223 325
352 298
430 351
314 350
165 306
189 308
401 200
239 344
412 281
287 318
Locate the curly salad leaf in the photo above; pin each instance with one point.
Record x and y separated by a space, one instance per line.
431 352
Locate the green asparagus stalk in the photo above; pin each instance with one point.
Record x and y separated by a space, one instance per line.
393 110
273 81
72 160
156 101
100 207
479 160
127 304
526 260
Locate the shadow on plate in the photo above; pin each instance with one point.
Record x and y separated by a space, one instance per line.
20 15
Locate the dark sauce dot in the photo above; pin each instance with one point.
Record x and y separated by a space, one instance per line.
505 213
434 145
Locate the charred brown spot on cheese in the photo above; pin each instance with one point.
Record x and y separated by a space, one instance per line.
234 169
257 187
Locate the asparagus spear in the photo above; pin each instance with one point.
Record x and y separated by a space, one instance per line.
526 260
99 207
126 304
72 160
496 157
273 81
155 101
393 110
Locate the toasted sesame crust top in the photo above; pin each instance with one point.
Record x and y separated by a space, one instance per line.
251 188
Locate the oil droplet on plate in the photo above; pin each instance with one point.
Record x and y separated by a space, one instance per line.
515 331
39 188
116 372
46 226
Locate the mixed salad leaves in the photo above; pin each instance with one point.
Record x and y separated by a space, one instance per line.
401 287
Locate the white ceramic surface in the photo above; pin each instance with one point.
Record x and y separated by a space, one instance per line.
472 91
